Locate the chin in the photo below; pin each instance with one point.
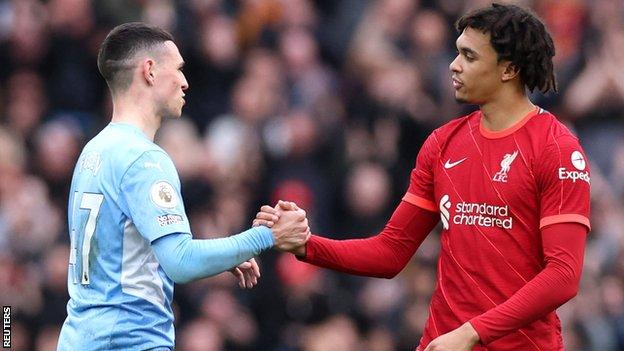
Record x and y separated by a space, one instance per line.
176 113
461 99
173 115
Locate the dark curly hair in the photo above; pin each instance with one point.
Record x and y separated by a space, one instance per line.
520 37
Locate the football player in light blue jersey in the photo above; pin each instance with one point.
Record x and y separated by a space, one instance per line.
130 237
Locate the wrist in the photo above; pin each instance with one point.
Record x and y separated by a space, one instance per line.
471 333
266 235
300 251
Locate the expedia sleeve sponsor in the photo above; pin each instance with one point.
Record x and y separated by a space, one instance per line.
574 175
563 179
578 171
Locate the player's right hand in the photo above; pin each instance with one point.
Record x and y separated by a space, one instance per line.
288 223
247 273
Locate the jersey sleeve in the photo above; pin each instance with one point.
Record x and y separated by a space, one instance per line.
420 191
383 255
563 178
151 189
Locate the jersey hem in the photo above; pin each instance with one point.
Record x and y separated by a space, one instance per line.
563 218
420 202
480 330
309 254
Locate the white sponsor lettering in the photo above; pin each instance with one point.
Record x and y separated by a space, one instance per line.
479 214
91 162
169 219
483 215
564 174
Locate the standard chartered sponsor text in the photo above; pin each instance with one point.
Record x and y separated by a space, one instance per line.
483 214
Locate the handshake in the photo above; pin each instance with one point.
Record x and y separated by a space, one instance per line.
289 225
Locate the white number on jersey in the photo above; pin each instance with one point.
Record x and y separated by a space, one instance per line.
91 202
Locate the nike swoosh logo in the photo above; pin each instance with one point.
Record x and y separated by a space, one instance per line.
449 165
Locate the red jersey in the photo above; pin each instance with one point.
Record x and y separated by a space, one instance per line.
494 192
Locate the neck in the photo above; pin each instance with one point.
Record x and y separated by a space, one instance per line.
129 110
505 111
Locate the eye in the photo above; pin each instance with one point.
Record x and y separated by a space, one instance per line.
469 57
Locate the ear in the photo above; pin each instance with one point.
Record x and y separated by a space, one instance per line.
147 71
509 71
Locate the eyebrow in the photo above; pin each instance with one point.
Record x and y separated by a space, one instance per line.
468 51
181 64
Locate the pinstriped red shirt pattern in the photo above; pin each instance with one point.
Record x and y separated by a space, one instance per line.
491 246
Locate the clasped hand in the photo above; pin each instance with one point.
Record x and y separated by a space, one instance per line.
288 223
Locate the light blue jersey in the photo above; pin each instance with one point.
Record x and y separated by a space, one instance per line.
125 194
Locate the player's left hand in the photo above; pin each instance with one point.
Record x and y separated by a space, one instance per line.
463 338
247 273
268 216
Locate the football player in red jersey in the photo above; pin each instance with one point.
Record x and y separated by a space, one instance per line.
510 185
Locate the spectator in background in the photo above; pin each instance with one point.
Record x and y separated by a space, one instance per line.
56 147
346 127
201 335
26 103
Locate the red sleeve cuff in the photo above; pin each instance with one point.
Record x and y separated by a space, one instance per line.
310 251
565 218
420 202
481 330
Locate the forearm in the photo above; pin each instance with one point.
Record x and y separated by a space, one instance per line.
185 259
552 287
372 257
383 255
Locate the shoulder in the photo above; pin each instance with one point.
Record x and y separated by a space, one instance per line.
444 133
123 149
130 147
551 131
152 159
559 148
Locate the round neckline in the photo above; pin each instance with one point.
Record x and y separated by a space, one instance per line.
507 131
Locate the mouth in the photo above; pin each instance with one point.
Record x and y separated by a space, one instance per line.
457 84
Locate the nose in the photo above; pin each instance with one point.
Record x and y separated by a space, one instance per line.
454 66
184 83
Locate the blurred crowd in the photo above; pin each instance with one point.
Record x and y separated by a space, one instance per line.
321 102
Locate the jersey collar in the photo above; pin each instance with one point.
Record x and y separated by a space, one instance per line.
132 128
508 131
